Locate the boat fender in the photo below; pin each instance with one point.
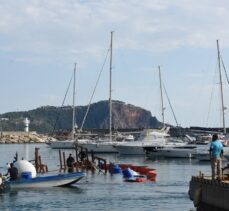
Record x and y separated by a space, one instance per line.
197 196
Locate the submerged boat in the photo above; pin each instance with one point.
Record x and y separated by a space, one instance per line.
47 181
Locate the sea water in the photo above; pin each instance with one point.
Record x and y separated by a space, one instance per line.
104 192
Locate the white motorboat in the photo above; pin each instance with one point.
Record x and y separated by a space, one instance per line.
67 144
62 144
172 150
100 146
104 145
147 138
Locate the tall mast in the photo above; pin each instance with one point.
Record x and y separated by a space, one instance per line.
73 104
110 90
221 88
162 103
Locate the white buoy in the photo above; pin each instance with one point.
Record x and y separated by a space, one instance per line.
26 123
25 166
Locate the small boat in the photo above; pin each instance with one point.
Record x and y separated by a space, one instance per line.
27 177
65 179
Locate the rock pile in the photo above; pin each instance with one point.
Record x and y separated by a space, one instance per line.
23 137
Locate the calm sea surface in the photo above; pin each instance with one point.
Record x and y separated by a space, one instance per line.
104 192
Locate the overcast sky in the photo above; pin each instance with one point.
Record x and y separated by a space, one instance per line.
40 40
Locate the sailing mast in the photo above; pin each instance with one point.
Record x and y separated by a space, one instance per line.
110 90
221 88
73 104
162 103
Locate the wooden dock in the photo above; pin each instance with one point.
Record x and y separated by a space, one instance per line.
208 194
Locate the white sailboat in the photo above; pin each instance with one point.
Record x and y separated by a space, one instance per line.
149 138
104 145
69 143
202 153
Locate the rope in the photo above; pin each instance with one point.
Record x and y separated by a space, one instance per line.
96 84
224 69
170 104
61 108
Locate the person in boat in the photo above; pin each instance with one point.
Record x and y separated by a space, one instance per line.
13 172
82 155
216 153
70 163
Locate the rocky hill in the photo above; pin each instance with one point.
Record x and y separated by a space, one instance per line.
47 118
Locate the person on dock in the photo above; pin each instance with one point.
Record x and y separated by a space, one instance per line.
70 163
216 153
13 172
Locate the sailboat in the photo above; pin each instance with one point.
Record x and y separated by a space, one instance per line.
202 153
69 143
148 138
104 145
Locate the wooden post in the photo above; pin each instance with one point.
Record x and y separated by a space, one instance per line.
65 167
105 164
92 156
36 159
16 156
60 158
39 164
87 155
76 150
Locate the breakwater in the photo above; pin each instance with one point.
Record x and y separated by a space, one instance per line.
17 137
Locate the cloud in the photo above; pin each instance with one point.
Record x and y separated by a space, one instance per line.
60 26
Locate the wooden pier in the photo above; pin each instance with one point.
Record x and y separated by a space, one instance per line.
84 160
208 194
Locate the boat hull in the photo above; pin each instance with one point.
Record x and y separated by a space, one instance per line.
67 144
130 150
100 147
172 153
47 181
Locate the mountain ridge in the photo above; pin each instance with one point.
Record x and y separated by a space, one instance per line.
47 119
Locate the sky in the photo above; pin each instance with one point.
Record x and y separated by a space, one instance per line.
41 40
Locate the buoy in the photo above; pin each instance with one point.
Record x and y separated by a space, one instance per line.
116 169
25 169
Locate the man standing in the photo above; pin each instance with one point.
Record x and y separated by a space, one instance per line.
70 163
216 153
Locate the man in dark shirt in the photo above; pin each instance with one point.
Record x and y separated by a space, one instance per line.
70 163
13 172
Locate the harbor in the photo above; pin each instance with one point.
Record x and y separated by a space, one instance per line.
114 105
106 191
